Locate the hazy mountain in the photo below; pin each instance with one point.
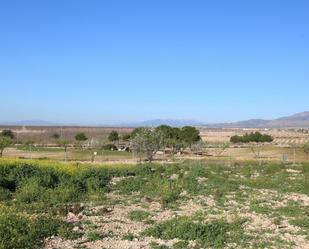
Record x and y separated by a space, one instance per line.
29 123
170 122
298 120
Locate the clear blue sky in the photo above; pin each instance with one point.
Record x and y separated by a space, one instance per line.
102 62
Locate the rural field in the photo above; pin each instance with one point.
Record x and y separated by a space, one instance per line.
286 146
125 188
154 124
193 204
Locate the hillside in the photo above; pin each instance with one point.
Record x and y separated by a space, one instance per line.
298 120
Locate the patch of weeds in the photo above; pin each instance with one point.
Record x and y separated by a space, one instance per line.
266 239
129 237
138 215
93 236
18 231
149 221
212 234
66 232
169 198
277 221
258 207
303 223
103 211
5 194
127 186
181 245
155 245
292 209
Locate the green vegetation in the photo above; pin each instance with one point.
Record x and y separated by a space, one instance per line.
20 231
5 142
93 236
80 137
113 136
8 133
256 137
211 234
31 192
35 196
148 141
138 215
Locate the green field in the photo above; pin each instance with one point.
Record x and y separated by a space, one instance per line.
194 204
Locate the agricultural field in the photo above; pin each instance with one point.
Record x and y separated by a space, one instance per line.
286 146
192 204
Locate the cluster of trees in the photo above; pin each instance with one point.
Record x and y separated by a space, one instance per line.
256 137
6 139
147 141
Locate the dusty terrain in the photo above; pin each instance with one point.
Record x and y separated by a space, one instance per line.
269 217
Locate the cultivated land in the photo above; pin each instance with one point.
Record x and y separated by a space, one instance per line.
286 145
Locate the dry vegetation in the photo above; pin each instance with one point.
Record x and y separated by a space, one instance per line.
188 205
225 197
285 140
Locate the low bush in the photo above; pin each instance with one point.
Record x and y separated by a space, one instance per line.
19 231
138 215
212 234
109 147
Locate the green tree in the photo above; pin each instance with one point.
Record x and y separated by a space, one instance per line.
126 137
171 137
55 136
8 133
5 142
189 135
147 142
136 131
113 136
256 137
81 137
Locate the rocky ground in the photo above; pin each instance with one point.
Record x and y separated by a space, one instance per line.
111 225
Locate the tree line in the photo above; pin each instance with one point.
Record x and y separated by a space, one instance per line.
256 137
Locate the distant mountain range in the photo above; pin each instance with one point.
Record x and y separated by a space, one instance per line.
298 120
170 122
29 123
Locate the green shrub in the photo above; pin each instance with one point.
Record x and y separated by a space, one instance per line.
51 185
93 236
138 215
5 194
109 147
29 192
129 237
252 137
18 231
181 245
213 234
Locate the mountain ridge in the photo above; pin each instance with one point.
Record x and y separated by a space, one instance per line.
297 120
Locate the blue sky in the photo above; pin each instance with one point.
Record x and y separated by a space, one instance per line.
104 62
